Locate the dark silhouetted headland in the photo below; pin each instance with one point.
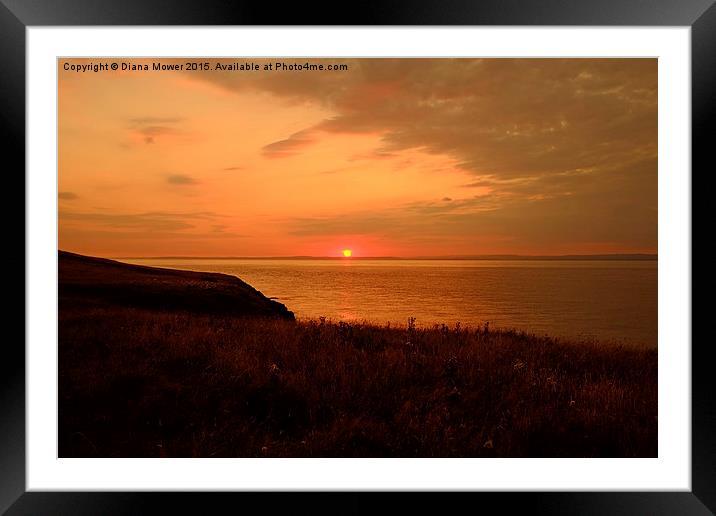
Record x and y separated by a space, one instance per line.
94 282
165 363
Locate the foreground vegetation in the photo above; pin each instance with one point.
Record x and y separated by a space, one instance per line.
147 382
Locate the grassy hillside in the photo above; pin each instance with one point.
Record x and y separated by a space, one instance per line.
149 381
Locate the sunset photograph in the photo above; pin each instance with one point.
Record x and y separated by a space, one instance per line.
357 257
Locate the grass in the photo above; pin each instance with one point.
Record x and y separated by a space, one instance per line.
153 383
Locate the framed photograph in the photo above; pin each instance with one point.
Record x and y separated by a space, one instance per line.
436 249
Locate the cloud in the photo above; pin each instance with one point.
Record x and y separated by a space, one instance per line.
482 183
155 221
234 168
338 170
373 155
560 150
181 180
150 133
149 129
67 196
500 117
152 120
149 226
567 212
288 147
392 223
565 149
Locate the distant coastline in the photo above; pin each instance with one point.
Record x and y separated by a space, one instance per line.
485 257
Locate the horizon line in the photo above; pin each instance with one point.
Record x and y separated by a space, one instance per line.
602 256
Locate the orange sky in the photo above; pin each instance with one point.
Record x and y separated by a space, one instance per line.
399 157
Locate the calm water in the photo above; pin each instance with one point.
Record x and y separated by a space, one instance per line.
603 300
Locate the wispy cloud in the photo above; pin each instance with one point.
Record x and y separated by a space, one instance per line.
290 146
67 196
153 221
181 180
149 129
153 120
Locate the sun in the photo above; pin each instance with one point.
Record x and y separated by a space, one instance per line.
347 253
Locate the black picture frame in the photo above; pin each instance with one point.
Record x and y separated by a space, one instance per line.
16 15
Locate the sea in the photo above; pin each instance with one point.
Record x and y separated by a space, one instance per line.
591 300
